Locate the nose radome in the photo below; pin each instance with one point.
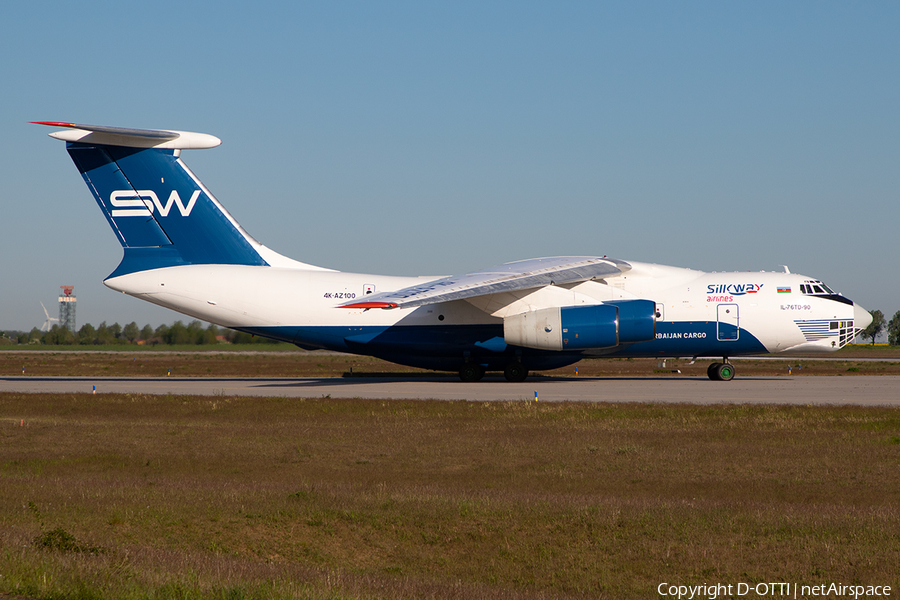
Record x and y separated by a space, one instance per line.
861 317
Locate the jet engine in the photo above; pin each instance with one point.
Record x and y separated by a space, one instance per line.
582 327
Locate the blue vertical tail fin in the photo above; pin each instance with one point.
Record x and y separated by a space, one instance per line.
159 211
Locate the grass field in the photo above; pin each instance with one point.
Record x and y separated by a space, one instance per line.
118 496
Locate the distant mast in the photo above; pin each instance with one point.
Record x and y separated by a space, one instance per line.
67 307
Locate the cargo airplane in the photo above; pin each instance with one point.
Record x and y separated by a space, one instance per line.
184 251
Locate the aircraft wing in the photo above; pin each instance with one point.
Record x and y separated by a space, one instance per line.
509 277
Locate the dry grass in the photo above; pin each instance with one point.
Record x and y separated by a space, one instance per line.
226 497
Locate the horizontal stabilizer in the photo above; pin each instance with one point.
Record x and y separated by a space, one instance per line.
131 138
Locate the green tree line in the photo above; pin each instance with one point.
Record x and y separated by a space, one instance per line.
194 333
879 325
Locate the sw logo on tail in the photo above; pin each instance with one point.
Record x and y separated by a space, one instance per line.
534 314
126 202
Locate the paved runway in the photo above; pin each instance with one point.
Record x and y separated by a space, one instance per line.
857 390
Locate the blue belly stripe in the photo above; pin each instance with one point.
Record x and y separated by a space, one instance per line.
447 347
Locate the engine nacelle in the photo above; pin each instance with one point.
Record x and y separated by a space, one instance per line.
582 327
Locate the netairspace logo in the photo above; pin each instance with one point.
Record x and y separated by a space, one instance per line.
771 590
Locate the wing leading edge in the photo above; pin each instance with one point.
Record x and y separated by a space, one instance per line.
509 277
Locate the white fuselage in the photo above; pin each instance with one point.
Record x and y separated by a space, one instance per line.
692 306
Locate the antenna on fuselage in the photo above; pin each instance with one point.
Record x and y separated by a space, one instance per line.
786 270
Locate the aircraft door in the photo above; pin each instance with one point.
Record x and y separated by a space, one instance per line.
728 325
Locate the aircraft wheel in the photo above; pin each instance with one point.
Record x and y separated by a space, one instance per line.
471 372
515 371
712 371
725 372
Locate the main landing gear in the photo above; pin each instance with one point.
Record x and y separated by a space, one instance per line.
471 372
514 371
723 371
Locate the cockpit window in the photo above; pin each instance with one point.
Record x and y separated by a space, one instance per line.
816 288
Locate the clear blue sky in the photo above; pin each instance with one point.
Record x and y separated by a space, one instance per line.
428 138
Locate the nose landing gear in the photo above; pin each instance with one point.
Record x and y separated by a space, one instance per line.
723 371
